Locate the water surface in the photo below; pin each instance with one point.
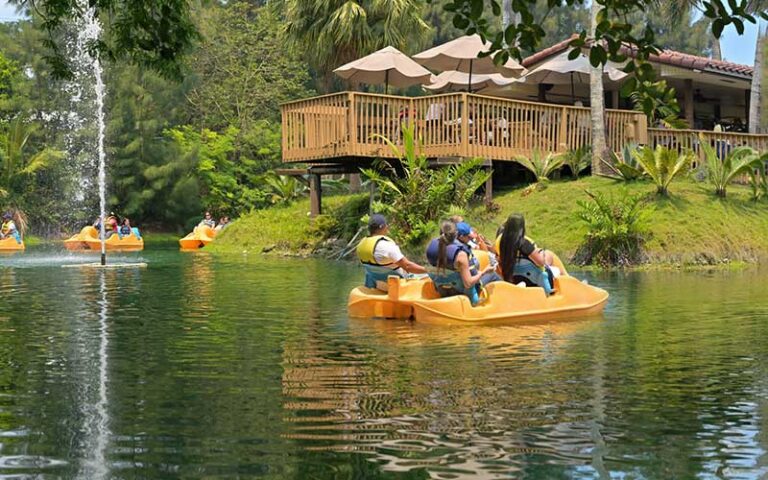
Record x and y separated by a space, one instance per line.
208 367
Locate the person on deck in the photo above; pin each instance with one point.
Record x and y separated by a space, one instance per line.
8 228
457 269
520 259
207 221
381 256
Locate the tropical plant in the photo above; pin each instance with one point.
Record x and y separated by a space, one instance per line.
625 166
721 171
758 179
577 160
617 229
541 166
333 32
662 165
283 188
416 196
16 163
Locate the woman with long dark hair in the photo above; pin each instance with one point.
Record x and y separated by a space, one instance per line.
455 274
519 258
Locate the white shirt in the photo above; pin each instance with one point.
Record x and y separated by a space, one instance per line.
387 252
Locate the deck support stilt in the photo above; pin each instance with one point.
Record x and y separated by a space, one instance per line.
315 195
489 186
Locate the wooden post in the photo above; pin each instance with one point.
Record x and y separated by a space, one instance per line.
489 184
352 127
315 195
688 95
562 139
354 183
641 132
615 99
464 125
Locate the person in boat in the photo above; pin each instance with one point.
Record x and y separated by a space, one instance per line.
476 239
468 236
521 261
381 257
110 226
457 269
223 222
207 221
8 228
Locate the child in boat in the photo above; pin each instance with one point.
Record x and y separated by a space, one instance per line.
125 228
207 221
223 222
8 228
457 272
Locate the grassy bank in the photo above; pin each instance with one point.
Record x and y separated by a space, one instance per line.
691 227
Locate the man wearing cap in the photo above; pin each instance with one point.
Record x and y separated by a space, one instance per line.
381 256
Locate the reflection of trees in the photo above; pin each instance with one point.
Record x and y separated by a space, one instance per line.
427 398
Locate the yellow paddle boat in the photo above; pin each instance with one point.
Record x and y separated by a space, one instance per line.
200 237
88 239
502 302
11 245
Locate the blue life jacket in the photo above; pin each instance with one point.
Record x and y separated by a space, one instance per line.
449 282
534 274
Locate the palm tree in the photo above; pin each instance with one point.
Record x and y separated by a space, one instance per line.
757 82
15 164
597 103
334 32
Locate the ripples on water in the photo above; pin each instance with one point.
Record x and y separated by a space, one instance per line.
198 367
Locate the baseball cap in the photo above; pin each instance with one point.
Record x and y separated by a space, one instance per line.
376 221
463 228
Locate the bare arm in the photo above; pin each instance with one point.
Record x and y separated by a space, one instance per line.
410 266
462 264
537 257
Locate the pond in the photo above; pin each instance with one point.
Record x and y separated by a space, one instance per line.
233 367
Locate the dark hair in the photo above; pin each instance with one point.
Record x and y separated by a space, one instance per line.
447 237
511 239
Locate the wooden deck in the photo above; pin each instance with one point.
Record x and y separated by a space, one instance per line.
351 125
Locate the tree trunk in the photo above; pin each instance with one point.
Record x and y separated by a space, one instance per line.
717 53
508 16
757 80
596 103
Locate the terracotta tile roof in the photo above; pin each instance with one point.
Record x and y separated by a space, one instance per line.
667 57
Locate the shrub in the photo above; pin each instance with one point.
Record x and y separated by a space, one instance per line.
625 166
578 159
662 165
758 179
722 171
541 166
417 197
617 230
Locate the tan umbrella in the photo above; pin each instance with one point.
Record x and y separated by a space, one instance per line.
461 55
447 81
562 71
389 66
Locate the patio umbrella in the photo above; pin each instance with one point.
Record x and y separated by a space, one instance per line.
389 66
562 71
452 79
461 55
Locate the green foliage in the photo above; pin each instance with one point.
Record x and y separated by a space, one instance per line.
541 166
334 32
662 165
578 159
226 183
721 172
17 163
617 229
417 196
625 166
758 179
283 188
656 100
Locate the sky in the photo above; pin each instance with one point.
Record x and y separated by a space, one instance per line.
736 48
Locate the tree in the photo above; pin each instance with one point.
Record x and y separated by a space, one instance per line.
757 83
597 103
150 33
334 32
17 162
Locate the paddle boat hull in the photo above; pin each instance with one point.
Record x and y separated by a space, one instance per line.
504 303
200 237
88 239
11 245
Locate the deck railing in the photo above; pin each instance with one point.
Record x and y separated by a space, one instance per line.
722 142
353 124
